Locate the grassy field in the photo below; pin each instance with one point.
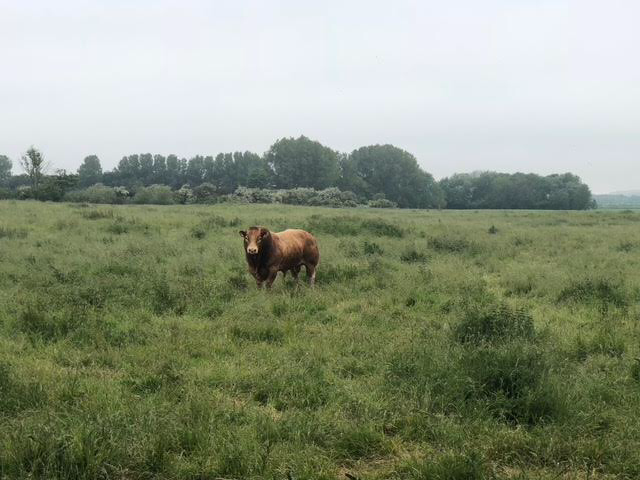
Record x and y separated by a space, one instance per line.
436 345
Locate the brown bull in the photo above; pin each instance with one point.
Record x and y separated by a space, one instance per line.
269 253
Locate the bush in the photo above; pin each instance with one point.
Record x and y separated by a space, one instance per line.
601 292
213 222
333 197
452 244
382 203
254 195
353 226
380 227
448 467
412 255
494 324
12 232
372 248
24 192
15 393
329 197
204 193
154 194
6 194
297 196
97 214
98 193
258 333
184 195
512 381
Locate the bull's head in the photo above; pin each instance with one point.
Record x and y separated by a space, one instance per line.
253 239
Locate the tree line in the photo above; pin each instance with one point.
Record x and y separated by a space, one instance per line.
380 175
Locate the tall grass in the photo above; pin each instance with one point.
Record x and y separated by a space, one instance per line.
134 345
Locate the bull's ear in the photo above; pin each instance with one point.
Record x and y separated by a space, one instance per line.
264 232
243 233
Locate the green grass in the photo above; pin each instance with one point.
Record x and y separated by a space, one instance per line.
436 345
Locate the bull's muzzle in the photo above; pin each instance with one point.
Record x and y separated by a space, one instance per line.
252 250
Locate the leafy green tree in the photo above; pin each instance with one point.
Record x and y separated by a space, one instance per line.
301 162
54 187
34 165
146 169
567 192
90 172
209 169
160 174
518 190
204 193
195 171
395 173
128 170
223 173
5 169
176 169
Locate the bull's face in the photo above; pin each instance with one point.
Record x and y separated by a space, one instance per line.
253 239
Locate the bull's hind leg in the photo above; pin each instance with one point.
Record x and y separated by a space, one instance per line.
311 273
295 271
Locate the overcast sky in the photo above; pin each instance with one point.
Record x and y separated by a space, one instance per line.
510 85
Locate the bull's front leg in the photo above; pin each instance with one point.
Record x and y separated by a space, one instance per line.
256 275
273 273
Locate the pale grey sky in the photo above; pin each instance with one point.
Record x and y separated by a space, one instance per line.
510 85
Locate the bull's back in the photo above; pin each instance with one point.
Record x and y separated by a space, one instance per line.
299 243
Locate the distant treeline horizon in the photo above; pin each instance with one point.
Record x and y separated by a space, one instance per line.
378 175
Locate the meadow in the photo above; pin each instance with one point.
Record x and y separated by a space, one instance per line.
436 345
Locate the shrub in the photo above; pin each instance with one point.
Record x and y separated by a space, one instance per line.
15 393
37 324
95 214
359 441
381 227
154 194
218 221
512 380
635 370
117 228
372 248
204 193
333 225
165 297
333 197
495 323
626 246
605 342
24 192
258 333
601 292
451 244
210 223
254 195
297 196
6 194
448 467
183 195
329 197
299 386
6 232
412 255
382 203
348 225
98 193
338 273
